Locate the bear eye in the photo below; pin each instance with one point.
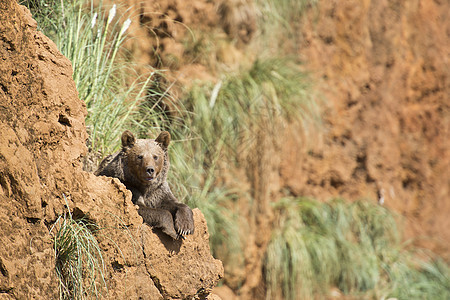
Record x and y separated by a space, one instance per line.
140 157
155 157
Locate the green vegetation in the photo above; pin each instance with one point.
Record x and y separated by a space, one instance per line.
101 78
352 246
79 263
47 13
93 41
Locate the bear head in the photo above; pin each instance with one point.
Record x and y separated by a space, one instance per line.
147 159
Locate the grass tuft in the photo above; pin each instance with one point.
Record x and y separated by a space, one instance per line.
224 116
92 39
352 246
79 262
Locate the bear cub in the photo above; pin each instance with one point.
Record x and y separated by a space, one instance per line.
142 166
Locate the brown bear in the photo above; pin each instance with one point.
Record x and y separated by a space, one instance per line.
142 166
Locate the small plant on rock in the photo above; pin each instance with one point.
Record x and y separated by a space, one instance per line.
79 262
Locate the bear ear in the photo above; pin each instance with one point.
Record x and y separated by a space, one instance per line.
128 139
163 139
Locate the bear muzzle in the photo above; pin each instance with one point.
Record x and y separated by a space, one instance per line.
150 173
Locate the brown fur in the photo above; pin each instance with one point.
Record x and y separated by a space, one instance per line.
142 165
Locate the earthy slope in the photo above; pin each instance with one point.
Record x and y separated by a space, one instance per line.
42 139
386 72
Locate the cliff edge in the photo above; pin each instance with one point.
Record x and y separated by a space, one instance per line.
42 140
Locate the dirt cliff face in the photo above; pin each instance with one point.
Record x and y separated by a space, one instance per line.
385 70
42 140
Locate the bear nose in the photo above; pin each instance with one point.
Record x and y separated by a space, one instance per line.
150 170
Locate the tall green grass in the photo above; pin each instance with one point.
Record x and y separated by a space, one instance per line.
102 77
352 246
223 118
92 39
413 278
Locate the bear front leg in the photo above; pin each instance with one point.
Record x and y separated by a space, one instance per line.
159 218
184 220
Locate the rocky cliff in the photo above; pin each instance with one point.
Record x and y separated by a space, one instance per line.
42 141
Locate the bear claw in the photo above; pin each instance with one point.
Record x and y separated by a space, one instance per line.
182 233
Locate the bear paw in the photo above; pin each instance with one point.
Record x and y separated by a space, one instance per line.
184 222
